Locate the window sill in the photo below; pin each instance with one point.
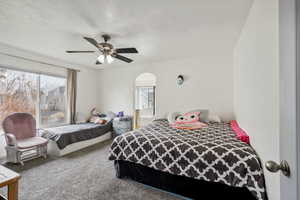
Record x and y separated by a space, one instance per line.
147 116
54 125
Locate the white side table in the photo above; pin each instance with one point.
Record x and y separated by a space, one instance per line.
122 125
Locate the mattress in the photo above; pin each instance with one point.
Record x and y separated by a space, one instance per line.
69 134
212 154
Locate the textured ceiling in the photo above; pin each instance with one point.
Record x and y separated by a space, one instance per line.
160 30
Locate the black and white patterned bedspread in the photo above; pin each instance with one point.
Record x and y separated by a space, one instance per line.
212 154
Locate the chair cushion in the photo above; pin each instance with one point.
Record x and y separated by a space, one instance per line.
31 142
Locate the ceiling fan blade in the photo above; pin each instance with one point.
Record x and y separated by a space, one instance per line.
122 58
80 51
92 41
126 50
98 63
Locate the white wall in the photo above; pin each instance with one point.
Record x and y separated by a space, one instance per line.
256 81
200 89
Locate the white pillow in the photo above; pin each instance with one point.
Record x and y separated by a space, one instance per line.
214 118
172 117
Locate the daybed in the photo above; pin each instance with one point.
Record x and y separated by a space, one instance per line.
70 138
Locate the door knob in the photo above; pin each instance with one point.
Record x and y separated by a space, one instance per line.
283 167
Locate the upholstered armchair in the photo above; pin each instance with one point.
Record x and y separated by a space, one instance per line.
22 142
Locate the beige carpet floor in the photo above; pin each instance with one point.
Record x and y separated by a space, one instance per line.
83 175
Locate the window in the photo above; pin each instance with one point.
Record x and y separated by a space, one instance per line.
43 96
145 97
145 100
52 100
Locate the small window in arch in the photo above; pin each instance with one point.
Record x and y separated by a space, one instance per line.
145 85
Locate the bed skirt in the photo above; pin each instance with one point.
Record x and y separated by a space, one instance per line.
187 187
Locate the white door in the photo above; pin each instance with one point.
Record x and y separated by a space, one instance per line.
289 96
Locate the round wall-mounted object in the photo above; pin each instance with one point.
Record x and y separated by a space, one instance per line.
180 79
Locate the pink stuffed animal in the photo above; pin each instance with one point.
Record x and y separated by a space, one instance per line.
188 121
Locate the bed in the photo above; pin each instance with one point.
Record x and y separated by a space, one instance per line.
190 162
70 138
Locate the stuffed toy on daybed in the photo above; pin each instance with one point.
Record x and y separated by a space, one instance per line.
100 118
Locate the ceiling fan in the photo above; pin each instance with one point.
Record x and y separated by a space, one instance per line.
107 50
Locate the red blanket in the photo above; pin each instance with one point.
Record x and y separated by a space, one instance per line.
240 133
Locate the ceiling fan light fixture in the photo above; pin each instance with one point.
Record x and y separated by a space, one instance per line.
101 59
109 59
107 51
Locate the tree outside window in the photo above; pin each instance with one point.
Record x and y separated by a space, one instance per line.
43 96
